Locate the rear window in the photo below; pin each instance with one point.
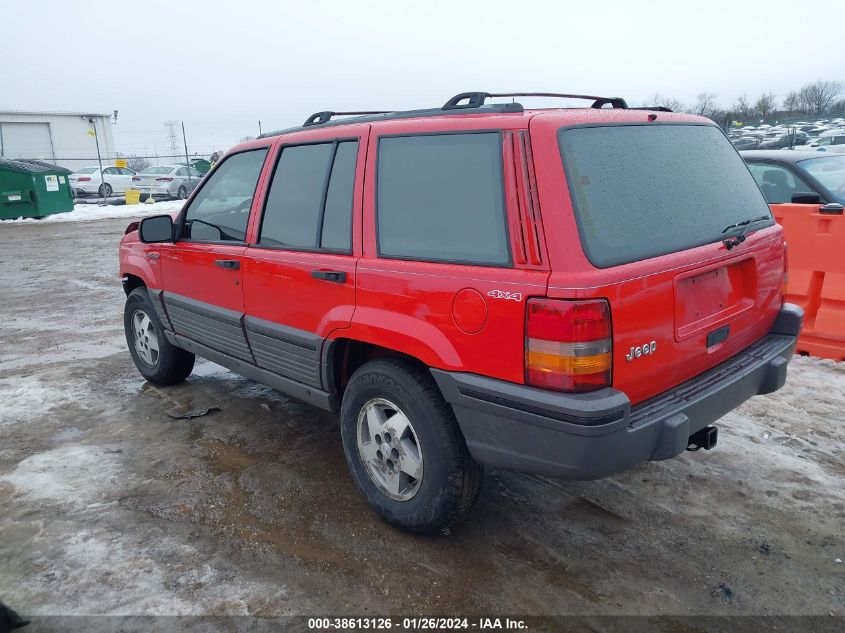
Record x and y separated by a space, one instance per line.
157 170
641 191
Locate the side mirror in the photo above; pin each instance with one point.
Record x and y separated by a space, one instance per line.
806 198
834 208
156 229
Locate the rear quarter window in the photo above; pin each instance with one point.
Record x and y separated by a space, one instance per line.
440 198
641 191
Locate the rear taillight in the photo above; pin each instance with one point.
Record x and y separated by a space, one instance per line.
83 179
136 179
568 344
785 283
164 179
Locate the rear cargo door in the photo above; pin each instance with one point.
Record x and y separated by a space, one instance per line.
652 205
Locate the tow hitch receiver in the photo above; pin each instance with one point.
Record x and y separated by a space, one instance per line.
706 438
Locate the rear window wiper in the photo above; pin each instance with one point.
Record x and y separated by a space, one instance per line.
744 227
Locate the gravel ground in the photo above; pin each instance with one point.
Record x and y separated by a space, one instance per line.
112 506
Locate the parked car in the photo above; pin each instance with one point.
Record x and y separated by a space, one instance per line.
87 181
785 140
798 177
568 292
175 181
832 141
746 142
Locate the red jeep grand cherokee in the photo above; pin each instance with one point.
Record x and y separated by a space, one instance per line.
562 291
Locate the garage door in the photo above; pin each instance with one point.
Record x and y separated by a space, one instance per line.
26 140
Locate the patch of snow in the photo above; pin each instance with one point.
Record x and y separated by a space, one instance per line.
89 212
76 475
26 398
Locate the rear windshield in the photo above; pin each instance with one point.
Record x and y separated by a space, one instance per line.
158 170
641 191
87 170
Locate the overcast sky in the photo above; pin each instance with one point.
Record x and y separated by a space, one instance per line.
222 66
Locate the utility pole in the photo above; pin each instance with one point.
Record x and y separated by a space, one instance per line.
187 161
100 161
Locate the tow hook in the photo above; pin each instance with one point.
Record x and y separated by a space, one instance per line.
706 438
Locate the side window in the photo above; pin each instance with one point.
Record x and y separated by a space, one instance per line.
838 140
126 172
824 141
110 171
440 198
309 205
777 183
220 210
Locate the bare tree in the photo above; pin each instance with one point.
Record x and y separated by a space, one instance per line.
658 99
818 96
136 163
742 107
792 102
705 105
765 105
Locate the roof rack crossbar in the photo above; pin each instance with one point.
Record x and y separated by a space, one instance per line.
477 99
318 118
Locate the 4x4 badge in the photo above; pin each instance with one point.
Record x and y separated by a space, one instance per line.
502 294
646 349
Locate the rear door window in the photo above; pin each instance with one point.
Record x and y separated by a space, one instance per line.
309 205
778 183
440 198
641 191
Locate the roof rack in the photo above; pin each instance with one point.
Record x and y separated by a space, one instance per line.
475 102
318 118
477 99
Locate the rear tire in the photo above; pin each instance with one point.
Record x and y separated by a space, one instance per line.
105 190
156 359
430 445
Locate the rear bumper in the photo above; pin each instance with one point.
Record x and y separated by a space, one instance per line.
589 436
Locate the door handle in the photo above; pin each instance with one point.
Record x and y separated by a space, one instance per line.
336 276
228 263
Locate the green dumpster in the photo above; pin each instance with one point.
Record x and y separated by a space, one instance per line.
201 165
33 189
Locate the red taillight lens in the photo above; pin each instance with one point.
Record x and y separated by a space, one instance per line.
568 344
136 178
164 179
83 179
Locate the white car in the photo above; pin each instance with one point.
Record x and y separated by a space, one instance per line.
87 181
831 141
174 181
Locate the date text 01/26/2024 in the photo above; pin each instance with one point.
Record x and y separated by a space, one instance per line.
416 624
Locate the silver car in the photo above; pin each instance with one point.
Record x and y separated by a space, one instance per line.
174 181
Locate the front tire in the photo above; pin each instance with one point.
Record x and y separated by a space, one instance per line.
404 447
182 193
156 359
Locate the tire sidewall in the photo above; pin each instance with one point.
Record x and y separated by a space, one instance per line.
426 504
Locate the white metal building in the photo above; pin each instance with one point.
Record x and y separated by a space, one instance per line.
59 137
